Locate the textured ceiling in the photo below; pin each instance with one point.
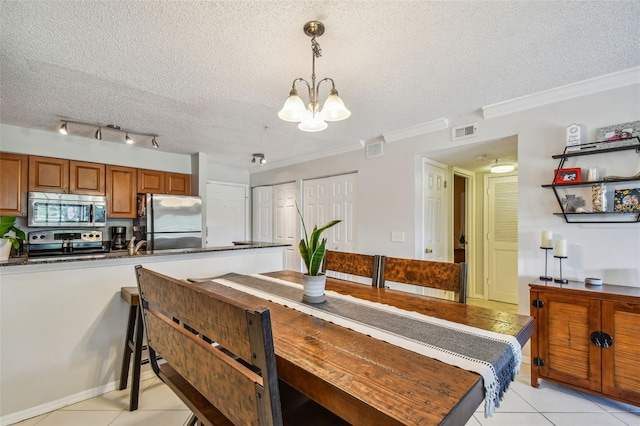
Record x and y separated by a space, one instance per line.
210 76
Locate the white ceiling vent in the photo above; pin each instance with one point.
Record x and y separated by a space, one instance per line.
374 149
466 131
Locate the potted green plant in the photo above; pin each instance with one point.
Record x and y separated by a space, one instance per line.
7 225
312 250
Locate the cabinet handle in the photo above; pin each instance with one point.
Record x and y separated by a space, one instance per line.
601 339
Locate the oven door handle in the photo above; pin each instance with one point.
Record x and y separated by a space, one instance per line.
92 214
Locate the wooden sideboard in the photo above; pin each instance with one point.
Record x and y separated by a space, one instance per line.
586 338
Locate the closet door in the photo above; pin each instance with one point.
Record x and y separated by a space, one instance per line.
262 222
331 198
286 222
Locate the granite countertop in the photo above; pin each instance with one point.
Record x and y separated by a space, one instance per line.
124 254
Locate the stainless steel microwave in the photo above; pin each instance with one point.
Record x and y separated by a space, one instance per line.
49 209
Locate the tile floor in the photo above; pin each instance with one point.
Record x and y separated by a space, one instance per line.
550 404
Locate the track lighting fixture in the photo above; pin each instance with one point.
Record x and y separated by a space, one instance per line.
259 158
64 129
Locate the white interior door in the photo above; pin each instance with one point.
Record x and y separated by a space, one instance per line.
332 198
262 200
285 222
435 211
501 254
226 214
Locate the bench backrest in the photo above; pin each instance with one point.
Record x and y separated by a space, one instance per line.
362 265
237 374
426 273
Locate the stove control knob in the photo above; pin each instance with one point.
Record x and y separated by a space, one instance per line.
42 237
35 237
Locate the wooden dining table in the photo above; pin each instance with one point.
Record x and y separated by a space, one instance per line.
368 381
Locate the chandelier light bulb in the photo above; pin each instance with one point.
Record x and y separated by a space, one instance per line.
334 109
313 124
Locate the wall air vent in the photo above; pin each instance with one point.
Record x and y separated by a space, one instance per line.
466 131
374 149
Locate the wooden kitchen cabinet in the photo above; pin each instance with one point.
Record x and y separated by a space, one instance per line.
178 184
13 184
48 174
87 178
585 338
121 190
158 182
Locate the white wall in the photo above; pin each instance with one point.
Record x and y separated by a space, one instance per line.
387 188
22 140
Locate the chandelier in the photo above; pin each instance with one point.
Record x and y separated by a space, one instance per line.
312 118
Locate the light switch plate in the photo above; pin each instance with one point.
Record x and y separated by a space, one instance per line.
397 236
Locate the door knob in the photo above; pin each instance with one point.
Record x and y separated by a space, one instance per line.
428 251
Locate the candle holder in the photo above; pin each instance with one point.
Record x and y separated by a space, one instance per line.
561 280
546 277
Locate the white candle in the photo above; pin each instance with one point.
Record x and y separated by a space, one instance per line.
546 240
561 248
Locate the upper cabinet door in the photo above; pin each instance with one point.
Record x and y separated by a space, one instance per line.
86 178
13 184
150 181
121 192
48 174
177 184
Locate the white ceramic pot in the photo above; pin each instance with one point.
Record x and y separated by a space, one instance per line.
5 249
314 288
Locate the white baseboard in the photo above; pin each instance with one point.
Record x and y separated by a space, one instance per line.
19 416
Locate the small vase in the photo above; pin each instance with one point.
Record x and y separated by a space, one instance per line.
5 249
314 288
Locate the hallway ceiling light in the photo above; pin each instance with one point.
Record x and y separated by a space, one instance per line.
64 129
259 158
312 118
498 167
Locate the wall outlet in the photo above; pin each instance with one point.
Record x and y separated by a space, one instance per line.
397 236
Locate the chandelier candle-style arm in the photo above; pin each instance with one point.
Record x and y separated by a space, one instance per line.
312 118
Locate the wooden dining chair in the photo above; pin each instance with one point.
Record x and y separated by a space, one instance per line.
223 365
426 273
362 265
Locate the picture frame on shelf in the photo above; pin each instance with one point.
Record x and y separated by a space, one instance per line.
618 131
562 176
626 200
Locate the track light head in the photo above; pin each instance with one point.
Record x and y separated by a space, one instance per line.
99 134
128 140
259 158
63 128
154 143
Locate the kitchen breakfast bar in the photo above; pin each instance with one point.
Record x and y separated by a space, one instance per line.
63 328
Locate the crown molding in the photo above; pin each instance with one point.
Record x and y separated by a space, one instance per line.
420 129
570 91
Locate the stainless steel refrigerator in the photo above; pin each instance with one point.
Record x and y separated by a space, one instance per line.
170 221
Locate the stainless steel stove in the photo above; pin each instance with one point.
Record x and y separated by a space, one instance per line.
65 242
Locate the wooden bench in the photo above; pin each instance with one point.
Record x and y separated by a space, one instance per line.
426 273
362 265
223 365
